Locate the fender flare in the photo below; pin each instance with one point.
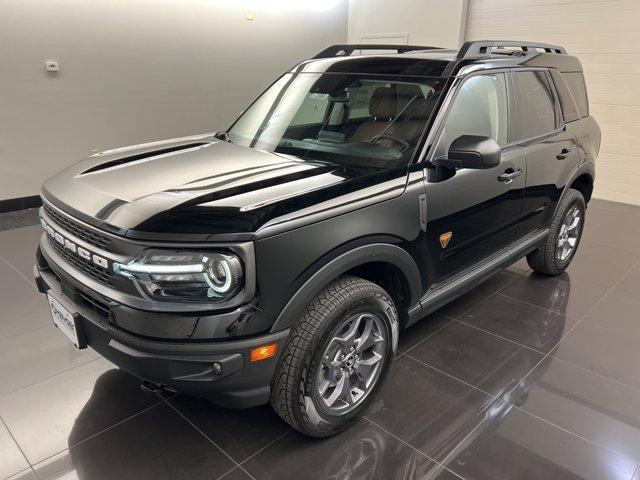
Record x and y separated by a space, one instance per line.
376 252
586 167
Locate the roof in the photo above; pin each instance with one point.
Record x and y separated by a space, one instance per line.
427 61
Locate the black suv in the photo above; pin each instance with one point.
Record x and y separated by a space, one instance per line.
279 261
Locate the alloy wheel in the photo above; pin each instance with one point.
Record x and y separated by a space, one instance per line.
351 363
569 233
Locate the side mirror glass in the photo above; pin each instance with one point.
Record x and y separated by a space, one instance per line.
471 151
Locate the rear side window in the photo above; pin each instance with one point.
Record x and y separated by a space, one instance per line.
575 81
567 103
535 104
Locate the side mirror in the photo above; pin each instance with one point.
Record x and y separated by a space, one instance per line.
471 151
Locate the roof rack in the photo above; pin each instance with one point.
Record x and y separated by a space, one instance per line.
485 47
348 49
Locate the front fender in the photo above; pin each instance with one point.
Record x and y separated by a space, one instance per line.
377 252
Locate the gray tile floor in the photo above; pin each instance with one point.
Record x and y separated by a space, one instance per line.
525 377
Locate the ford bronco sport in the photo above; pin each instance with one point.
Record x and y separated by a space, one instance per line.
279 261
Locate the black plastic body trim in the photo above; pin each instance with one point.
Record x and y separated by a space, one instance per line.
587 168
440 295
379 252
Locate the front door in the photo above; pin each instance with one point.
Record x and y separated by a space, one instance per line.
474 213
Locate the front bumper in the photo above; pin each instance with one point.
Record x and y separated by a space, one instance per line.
184 366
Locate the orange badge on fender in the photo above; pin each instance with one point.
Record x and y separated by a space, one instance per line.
444 239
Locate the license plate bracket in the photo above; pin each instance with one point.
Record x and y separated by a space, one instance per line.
67 322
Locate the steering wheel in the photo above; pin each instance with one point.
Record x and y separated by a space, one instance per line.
388 136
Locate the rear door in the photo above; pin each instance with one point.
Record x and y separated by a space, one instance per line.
551 151
474 213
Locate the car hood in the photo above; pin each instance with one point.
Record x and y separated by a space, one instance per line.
198 185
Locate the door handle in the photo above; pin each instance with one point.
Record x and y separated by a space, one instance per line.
564 153
509 175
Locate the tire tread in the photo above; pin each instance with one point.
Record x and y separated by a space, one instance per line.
304 337
543 260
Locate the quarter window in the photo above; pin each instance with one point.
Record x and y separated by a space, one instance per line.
575 81
568 104
535 104
480 108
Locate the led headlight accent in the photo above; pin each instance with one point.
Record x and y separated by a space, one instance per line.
185 276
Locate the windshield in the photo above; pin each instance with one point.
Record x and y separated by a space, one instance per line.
356 120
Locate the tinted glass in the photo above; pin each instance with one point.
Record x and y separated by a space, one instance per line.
567 103
359 121
479 108
535 104
575 80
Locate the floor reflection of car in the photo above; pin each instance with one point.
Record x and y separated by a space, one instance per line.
368 456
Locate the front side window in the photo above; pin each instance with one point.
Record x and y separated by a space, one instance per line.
358 121
535 104
479 108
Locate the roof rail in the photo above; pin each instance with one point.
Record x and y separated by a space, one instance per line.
484 47
348 49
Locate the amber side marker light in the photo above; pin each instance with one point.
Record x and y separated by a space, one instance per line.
263 352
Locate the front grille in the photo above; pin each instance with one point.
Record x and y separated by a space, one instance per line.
79 297
89 236
96 272
96 306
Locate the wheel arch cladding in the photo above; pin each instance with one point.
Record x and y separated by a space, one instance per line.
396 270
581 179
584 184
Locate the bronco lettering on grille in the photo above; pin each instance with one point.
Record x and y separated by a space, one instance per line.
69 245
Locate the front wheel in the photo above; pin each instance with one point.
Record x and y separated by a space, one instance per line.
336 358
560 246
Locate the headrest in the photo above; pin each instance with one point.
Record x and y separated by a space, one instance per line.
424 108
383 103
408 93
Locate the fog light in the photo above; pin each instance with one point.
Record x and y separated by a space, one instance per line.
263 352
217 368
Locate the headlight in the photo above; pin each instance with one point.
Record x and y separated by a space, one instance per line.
185 276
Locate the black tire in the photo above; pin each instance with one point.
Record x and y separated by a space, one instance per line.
544 260
293 390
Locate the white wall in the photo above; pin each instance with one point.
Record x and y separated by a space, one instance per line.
135 71
424 22
603 35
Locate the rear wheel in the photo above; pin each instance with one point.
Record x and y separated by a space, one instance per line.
336 358
560 246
